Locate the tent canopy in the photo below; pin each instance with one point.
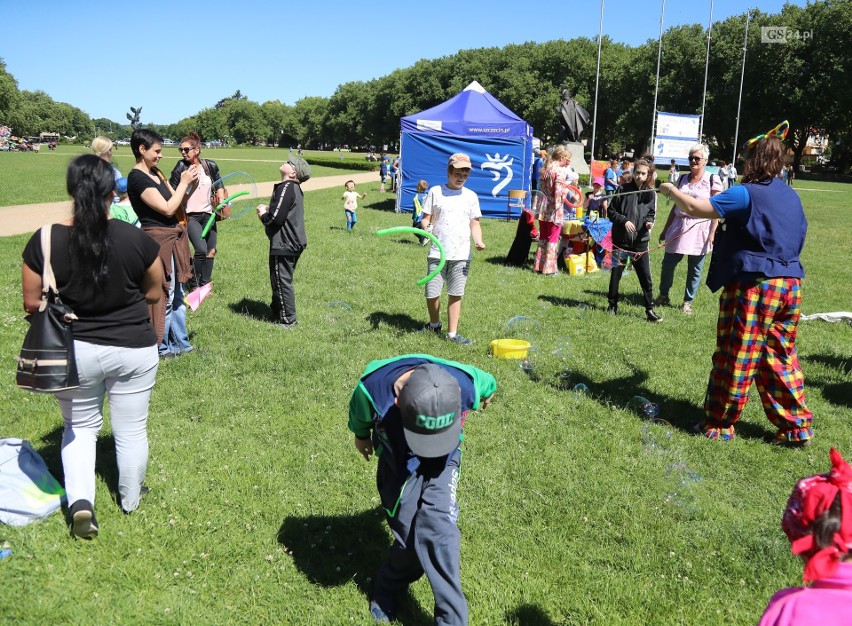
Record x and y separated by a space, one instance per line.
475 122
472 113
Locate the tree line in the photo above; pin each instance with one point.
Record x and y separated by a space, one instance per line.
804 80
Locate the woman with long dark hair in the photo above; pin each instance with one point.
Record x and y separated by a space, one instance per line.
160 212
756 265
199 208
105 272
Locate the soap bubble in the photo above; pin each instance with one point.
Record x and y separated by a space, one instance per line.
529 364
656 436
522 327
642 406
581 390
683 479
681 473
338 312
562 352
582 310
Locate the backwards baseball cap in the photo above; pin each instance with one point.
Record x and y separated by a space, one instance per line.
121 185
460 160
811 498
303 170
430 404
598 180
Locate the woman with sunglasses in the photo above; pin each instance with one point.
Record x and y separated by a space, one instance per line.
756 265
206 190
688 236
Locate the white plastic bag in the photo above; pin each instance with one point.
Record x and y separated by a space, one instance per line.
28 491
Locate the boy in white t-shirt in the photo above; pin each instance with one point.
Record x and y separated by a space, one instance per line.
350 203
452 214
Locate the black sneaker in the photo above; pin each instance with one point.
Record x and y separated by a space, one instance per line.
653 317
429 328
84 524
460 340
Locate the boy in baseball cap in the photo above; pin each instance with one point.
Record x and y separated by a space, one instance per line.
410 409
451 212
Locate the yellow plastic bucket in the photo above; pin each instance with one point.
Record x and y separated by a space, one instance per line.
510 348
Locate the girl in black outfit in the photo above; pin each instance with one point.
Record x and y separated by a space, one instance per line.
633 216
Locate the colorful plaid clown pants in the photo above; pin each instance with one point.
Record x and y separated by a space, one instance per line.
756 340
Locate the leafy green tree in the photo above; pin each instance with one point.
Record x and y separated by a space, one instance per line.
237 95
8 92
276 116
210 124
245 121
345 114
309 115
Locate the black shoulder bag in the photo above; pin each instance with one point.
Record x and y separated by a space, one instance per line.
47 363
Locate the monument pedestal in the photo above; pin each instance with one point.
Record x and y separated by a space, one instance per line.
578 161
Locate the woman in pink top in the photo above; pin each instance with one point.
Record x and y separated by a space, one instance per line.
689 236
818 523
199 205
551 214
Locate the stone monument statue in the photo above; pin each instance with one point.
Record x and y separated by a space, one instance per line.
573 117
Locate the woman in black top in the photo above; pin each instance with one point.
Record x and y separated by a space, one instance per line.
160 212
105 271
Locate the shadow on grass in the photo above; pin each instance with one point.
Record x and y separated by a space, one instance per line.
399 321
839 394
843 365
332 550
252 308
528 615
500 259
624 296
681 414
571 302
387 204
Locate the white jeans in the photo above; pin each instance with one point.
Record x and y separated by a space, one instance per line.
127 375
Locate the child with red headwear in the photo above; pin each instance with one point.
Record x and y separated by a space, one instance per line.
818 522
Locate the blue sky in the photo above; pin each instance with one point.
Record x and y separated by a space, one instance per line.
175 58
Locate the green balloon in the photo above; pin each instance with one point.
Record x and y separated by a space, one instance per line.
421 233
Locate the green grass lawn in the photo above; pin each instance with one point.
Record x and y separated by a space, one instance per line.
574 510
29 177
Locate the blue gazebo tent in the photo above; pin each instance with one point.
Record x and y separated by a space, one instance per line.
475 122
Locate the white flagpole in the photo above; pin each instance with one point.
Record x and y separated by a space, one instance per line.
742 76
597 82
706 68
657 85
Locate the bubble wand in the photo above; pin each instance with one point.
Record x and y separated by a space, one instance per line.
222 204
422 233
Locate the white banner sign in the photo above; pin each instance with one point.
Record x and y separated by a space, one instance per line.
677 126
666 149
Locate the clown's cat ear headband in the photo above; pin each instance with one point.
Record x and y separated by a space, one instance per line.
779 131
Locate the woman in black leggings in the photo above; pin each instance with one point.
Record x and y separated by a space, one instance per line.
200 201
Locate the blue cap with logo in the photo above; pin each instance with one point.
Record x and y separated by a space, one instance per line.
430 403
